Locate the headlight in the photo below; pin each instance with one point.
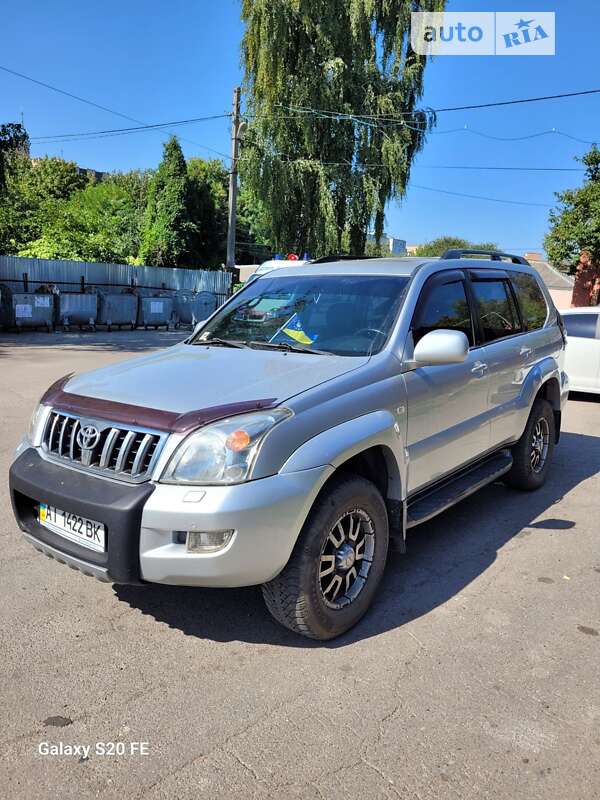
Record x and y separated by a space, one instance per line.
224 452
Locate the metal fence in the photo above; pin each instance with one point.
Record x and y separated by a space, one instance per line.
26 274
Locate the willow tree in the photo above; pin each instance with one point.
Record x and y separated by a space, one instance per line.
332 88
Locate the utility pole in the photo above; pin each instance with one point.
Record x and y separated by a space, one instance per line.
233 177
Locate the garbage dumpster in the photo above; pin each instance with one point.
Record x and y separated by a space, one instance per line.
189 309
76 308
155 311
117 310
183 308
32 310
204 305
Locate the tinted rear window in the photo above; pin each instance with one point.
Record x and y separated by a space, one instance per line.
497 311
581 326
531 300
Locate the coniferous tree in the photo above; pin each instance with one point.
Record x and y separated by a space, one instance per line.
168 228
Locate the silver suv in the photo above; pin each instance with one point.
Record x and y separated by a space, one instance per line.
300 432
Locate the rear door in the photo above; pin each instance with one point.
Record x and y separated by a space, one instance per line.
447 405
506 352
582 362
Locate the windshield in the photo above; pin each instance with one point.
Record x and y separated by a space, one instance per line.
347 315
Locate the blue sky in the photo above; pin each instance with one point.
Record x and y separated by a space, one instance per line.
156 61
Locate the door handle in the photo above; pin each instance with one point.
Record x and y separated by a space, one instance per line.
525 351
479 368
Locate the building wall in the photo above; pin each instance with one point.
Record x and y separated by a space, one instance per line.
397 246
561 297
247 270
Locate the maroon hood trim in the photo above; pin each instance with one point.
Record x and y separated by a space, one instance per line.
154 418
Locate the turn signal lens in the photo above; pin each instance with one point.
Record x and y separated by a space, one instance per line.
238 440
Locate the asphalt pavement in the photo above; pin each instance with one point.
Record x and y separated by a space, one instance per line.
475 675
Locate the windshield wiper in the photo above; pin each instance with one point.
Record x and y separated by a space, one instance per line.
288 348
216 342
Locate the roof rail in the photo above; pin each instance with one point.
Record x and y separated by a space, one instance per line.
495 255
332 258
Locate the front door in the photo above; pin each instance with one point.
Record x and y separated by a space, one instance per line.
448 422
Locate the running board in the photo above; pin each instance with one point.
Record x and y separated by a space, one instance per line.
430 503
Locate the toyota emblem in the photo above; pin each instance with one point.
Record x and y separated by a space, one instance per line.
88 437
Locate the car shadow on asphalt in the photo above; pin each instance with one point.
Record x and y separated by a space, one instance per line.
444 556
138 341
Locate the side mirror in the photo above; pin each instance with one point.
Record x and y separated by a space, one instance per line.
440 347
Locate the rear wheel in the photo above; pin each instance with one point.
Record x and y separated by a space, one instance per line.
337 563
533 452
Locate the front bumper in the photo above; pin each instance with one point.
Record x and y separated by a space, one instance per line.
119 506
141 520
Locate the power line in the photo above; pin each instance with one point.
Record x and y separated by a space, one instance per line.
69 94
472 167
334 116
396 116
83 135
550 132
98 105
446 191
478 196
519 101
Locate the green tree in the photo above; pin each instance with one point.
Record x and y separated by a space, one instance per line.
208 194
439 246
253 243
32 190
100 223
13 139
575 223
135 184
168 229
325 177
375 250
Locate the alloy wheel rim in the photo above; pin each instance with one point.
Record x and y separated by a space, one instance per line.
540 441
346 558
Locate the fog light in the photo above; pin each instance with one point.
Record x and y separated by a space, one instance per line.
207 541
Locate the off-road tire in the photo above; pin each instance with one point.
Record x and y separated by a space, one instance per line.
522 474
295 596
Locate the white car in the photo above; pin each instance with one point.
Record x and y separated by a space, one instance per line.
275 263
583 348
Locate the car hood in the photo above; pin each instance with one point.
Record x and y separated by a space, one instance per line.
186 378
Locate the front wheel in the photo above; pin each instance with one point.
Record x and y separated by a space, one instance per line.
337 563
532 454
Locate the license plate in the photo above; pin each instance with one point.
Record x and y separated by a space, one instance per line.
77 529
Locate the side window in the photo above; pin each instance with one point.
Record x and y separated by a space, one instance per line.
496 308
581 326
533 303
443 306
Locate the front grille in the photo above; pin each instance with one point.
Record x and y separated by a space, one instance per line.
124 453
